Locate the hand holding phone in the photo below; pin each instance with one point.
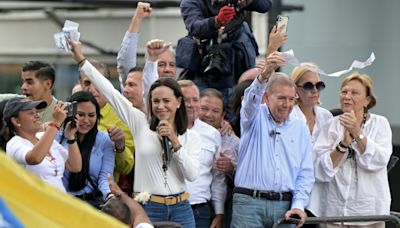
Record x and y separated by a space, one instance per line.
282 23
71 108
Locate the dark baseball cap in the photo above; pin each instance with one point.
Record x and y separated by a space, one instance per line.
17 104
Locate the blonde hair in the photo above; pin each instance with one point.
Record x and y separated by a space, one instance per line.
367 82
300 70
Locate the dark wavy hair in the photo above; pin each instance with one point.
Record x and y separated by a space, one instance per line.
77 181
181 118
5 132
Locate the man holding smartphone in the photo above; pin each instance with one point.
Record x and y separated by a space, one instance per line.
275 172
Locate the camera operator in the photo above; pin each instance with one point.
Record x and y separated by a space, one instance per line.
225 44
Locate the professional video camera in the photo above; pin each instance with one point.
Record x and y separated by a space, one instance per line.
216 61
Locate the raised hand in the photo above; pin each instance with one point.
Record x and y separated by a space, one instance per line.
276 39
76 49
117 136
143 9
59 113
156 47
70 132
273 62
225 15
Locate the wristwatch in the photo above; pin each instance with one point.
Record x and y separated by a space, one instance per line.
359 137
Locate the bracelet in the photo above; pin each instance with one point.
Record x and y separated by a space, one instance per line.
342 148
71 141
80 62
54 124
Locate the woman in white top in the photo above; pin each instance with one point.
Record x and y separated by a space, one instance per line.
351 155
309 86
163 179
39 153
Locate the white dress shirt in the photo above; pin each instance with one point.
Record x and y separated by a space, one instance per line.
210 185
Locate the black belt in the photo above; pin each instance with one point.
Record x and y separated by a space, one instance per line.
283 196
199 205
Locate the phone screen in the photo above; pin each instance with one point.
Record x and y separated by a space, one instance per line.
282 23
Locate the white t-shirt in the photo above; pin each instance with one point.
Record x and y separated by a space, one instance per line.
52 167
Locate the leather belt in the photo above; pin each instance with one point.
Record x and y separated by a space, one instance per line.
282 196
170 200
199 205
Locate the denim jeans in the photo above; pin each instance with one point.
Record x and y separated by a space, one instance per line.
255 212
180 213
202 215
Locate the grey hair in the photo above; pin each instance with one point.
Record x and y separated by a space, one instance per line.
279 79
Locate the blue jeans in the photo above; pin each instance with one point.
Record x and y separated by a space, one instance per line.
255 212
180 213
202 215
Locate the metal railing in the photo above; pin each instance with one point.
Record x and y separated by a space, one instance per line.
394 217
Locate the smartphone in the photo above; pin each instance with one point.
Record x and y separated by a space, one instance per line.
282 23
71 112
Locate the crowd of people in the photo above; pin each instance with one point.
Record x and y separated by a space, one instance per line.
240 146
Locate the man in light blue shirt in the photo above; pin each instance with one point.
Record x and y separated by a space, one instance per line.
275 172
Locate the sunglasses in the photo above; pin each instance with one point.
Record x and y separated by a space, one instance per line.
308 86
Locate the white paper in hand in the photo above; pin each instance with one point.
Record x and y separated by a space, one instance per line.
69 31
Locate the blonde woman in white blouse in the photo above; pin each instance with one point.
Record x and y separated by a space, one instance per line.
351 155
309 86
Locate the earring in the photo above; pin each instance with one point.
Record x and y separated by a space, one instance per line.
178 106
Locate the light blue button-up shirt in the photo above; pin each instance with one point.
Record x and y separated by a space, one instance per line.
273 157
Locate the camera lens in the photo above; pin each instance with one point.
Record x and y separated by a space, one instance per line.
214 69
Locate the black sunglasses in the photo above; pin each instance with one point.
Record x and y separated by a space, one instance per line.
308 86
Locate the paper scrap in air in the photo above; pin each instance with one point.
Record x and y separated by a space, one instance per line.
292 60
